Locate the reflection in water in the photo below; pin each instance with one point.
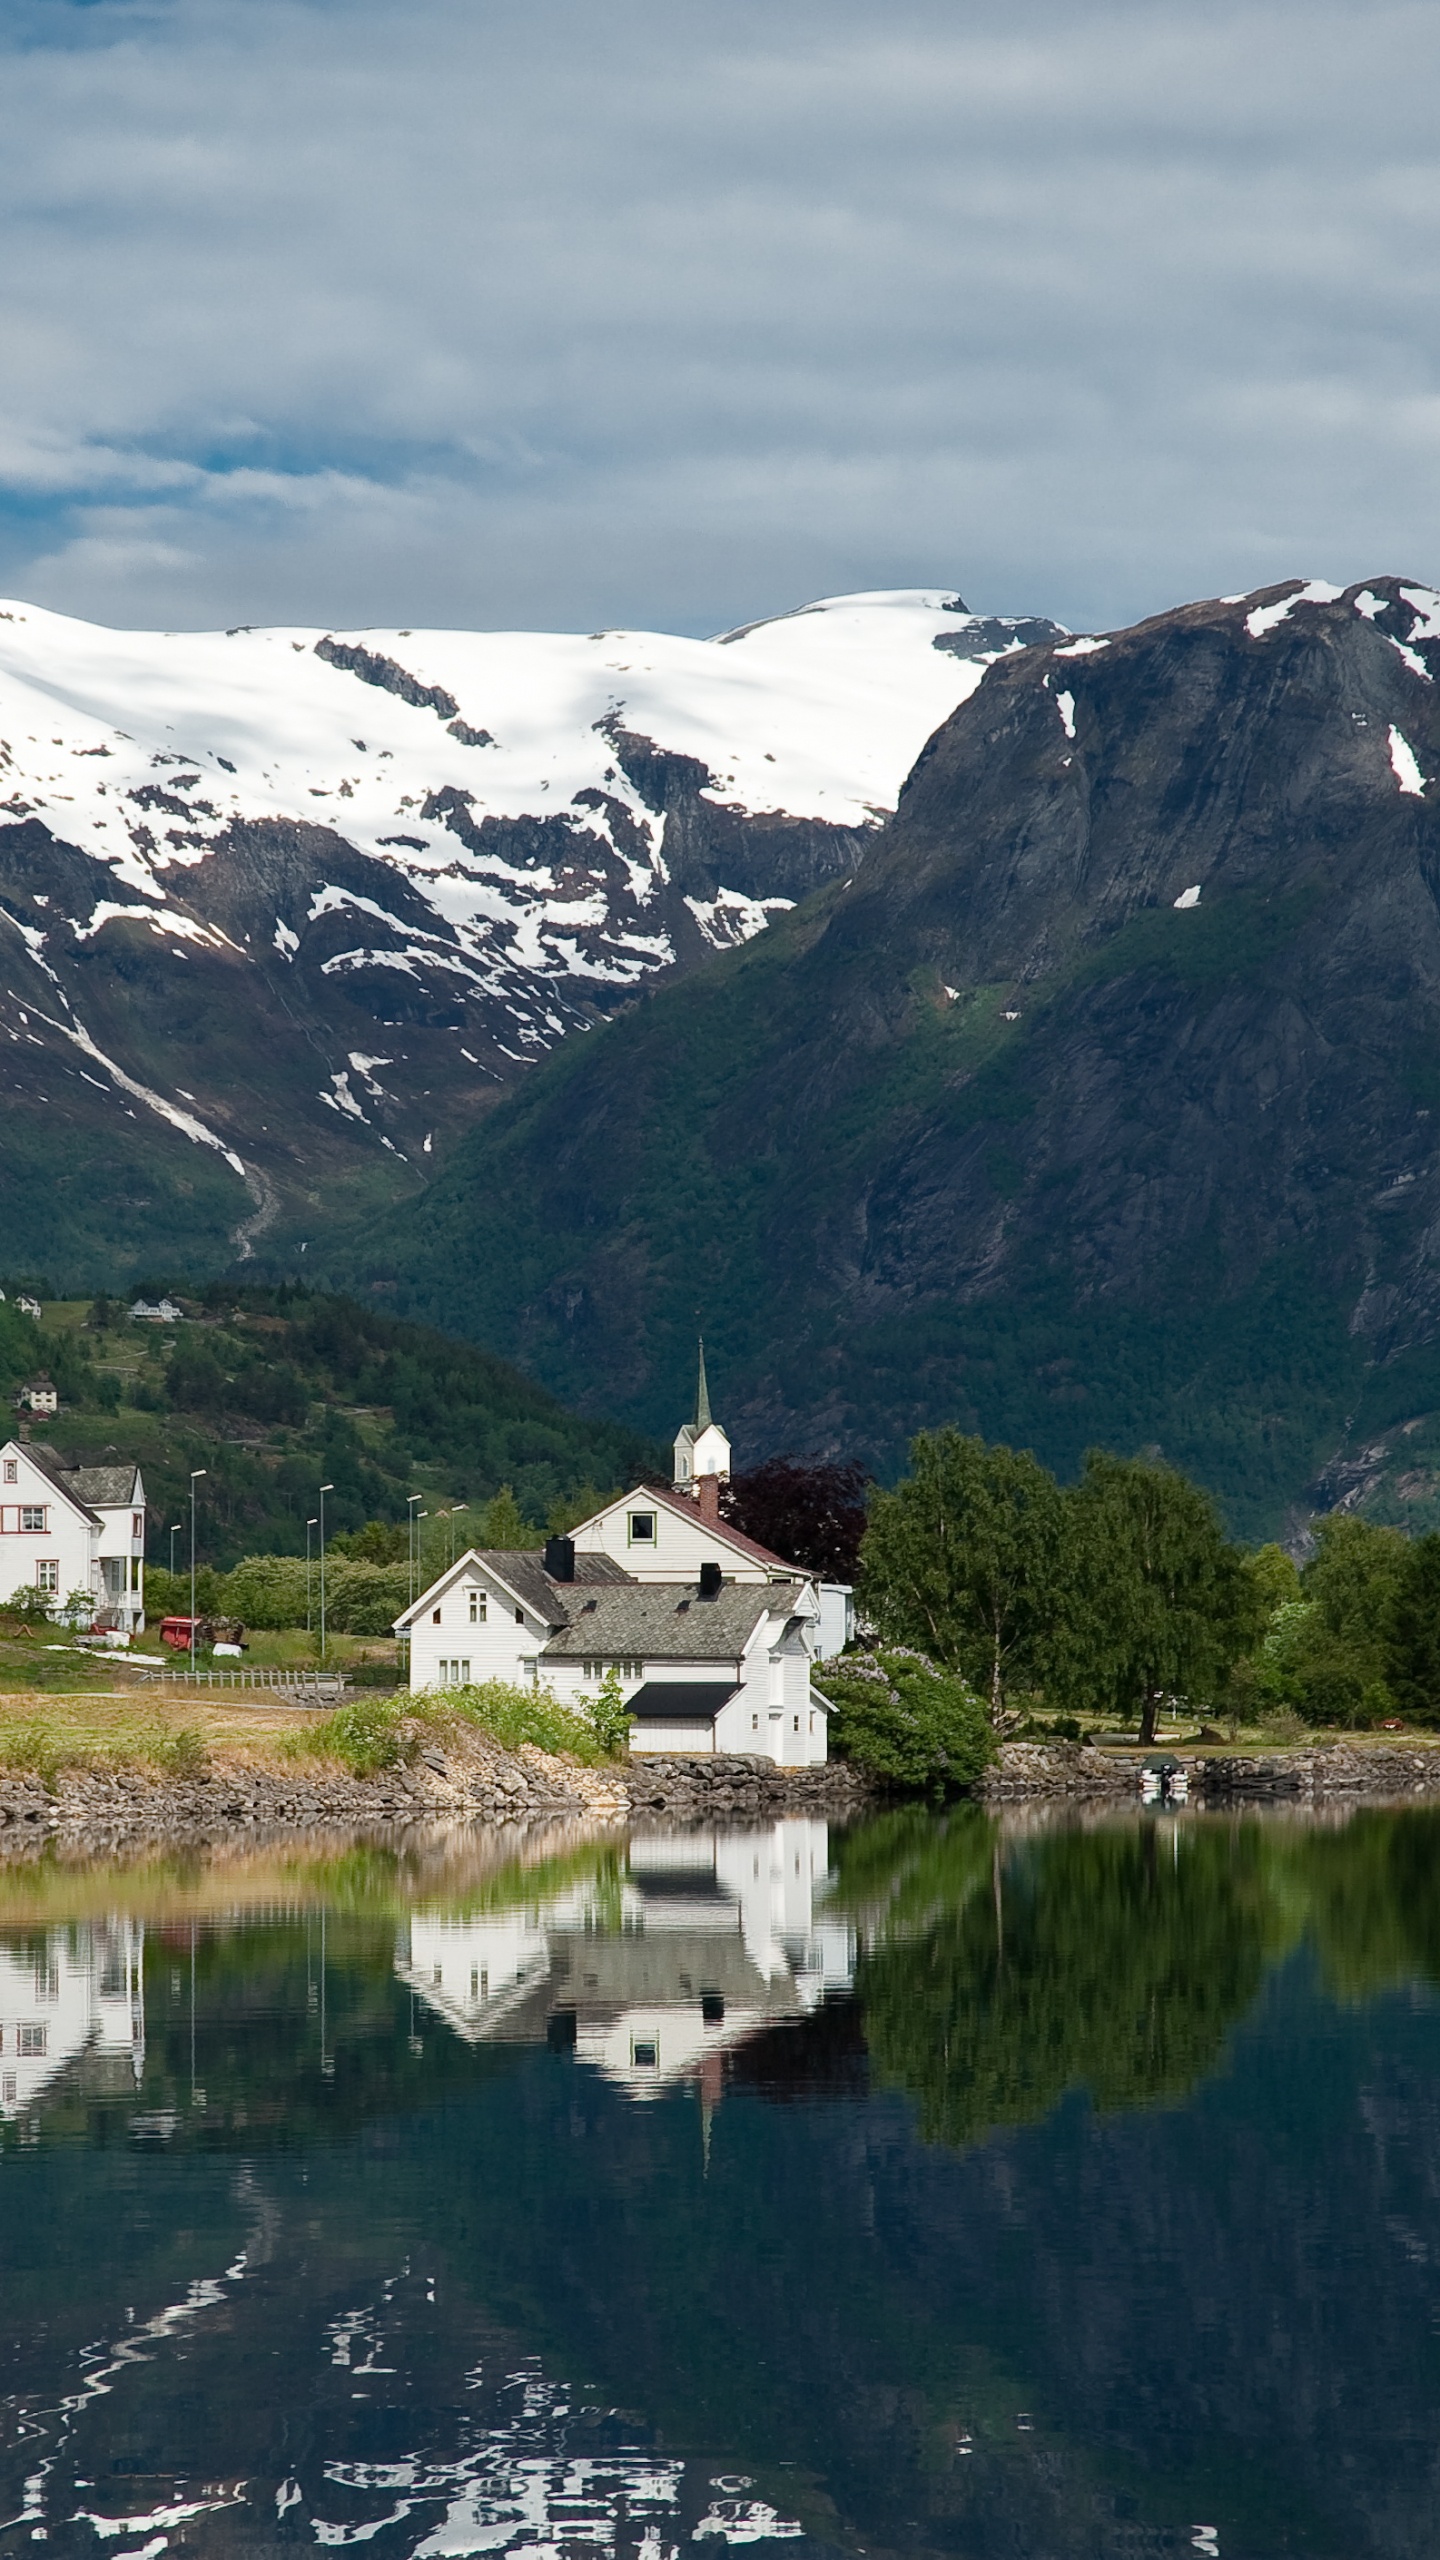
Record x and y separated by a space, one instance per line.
1075 2194
64 1993
653 1973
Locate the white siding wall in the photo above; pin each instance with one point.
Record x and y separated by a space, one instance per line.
681 1545
122 1545
67 1544
496 1646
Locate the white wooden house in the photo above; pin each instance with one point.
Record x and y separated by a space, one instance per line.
711 1637
65 1529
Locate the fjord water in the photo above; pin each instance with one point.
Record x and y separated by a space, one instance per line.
936 2186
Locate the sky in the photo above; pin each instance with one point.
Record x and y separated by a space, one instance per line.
570 314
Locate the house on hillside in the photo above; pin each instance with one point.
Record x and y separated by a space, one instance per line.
711 1637
155 1311
30 1307
38 1395
65 1528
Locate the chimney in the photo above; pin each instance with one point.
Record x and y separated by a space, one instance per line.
559 1559
707 1494
711 1578
24 1430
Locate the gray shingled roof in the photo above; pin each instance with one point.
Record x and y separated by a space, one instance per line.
523 1570
51 1464
103 1485
668 1621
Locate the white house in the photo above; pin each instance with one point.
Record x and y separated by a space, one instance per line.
709 1665
38 1395
65 1529
711 1636
155 1311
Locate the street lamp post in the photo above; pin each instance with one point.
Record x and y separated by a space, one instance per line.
324 1489
195 1475
454 1507
309 1612
412 1499
175 1528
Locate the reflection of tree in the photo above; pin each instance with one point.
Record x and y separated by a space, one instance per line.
1113 1960
1371 1894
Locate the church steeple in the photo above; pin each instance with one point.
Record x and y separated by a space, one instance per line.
702 1451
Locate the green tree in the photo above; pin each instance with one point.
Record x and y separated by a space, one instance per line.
963 1560
1159 1603
1413 1633
1274 1576
503 1523
896 1714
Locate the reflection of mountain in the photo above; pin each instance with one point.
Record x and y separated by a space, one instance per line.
68 1995
681 1952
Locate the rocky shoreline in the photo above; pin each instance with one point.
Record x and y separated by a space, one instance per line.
1384 1773
119 1805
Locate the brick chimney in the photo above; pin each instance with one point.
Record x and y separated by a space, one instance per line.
707 1494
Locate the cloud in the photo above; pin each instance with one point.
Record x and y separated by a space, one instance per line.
514 311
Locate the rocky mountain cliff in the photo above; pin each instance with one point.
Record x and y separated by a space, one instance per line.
1102 1101
282 912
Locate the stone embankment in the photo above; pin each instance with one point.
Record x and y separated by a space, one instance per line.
1383 1772
110 1805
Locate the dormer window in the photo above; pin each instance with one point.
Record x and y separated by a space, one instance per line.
642 1528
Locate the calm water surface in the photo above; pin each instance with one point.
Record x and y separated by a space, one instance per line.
930 2187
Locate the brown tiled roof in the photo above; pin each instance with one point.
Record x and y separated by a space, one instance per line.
689 1509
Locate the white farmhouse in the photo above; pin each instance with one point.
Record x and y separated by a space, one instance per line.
65 1529
711 1637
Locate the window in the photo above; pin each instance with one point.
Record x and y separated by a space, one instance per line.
135 1570
754 1724
32 2040
434 1617
477 1608
7 2087
32 1515
519 1617
464 1669
642 1528
12 1470
47 1574
137 1524
644 2053
797 1724
437 1973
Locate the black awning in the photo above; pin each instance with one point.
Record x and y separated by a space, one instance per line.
681 1701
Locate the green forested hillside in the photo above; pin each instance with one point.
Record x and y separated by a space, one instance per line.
276 1391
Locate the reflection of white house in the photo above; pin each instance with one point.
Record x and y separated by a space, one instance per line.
65 1529
710 1636
76 1991
694 1944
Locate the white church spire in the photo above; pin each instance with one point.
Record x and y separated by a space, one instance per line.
702 1450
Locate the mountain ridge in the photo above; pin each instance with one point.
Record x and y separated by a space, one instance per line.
349 886
1097 1105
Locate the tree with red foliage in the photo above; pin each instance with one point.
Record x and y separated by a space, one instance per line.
809 1511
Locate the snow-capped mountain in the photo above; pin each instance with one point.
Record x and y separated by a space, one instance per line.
406 863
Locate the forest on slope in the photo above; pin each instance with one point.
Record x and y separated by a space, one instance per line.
276 1391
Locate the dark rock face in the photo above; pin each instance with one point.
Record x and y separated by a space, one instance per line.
1100 1105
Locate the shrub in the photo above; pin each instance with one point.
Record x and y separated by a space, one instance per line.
894 1713
181 1751
610 1716
512 1715
365 1733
